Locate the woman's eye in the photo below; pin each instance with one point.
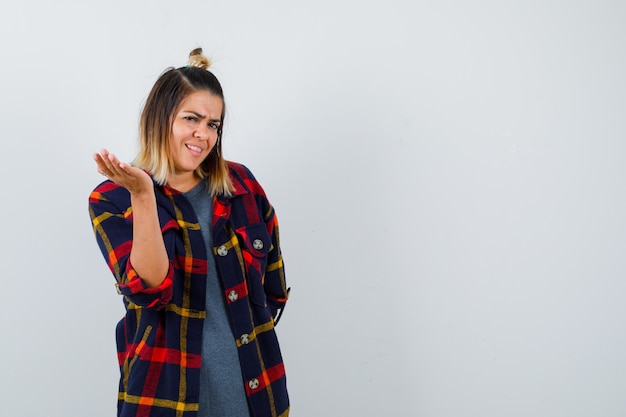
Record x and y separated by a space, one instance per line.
213 126
190 118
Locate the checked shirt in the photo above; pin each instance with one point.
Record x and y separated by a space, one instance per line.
159 339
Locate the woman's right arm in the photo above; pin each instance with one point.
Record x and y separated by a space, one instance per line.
148 255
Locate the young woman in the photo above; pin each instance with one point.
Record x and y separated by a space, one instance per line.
193 244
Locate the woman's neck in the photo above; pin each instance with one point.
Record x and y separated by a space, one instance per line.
183 183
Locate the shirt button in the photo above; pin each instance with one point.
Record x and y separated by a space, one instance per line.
245 339
253 383
222 251
233 295
257 244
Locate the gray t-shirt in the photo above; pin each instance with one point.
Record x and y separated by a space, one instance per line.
222 391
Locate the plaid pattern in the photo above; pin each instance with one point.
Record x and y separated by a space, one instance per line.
160 338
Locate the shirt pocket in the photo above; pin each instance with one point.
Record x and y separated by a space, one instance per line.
255 244
255 239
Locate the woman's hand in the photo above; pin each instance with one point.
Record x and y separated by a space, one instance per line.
135 180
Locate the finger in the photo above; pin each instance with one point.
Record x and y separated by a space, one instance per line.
108 165
100 164
112 158
112 163
121 169
98 158
108 170
102 157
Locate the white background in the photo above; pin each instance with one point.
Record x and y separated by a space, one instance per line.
449 177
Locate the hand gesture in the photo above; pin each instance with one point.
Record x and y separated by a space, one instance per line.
135 180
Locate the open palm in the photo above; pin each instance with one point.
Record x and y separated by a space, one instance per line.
135 180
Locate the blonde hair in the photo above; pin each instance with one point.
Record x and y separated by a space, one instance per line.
155 124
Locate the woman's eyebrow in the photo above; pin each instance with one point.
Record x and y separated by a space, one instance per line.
198 115
202 116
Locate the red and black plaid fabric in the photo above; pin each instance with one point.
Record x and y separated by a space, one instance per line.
160 338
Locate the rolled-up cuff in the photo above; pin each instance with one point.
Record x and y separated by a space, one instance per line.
139 293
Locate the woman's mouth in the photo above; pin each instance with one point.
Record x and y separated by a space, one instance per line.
194 148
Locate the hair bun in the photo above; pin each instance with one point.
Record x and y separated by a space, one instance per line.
197 59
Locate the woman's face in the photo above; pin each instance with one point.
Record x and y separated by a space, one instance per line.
194 132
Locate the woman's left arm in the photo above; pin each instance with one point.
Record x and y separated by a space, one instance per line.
275 284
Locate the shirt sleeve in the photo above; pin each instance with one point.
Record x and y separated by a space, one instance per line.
111 218
275 284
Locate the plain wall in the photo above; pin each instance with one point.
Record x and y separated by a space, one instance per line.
449 178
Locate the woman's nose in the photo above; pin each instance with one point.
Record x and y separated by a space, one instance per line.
202 133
